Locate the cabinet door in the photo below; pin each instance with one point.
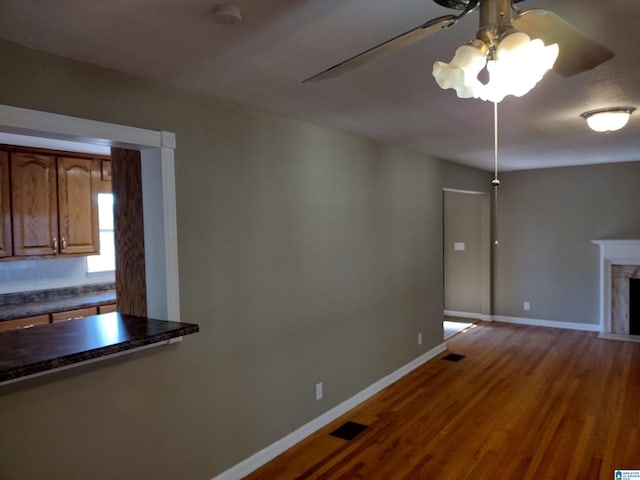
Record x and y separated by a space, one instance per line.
26 322
78 180
73 314
107 308
34 204
6 249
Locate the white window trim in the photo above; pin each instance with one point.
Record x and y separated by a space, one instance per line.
100 231
158 187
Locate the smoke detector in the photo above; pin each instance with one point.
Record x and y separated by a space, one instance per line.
227 14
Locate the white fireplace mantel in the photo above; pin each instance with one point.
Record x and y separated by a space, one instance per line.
613 252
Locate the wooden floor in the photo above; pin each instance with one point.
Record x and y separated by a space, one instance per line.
524 403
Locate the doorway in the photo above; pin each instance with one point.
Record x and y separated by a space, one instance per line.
467 259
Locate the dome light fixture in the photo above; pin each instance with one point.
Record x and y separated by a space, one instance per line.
227 14
607 119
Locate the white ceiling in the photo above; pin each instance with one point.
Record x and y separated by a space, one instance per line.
262 61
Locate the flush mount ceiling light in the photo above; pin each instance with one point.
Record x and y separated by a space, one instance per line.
608 119
227 14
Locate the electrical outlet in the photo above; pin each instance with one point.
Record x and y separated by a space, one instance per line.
318 391
526 306
420 338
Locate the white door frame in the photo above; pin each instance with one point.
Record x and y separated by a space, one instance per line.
485 307
158 187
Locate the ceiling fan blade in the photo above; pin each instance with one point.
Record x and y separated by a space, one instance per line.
578 53
402 40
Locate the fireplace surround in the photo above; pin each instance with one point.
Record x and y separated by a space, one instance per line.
621 276
619 262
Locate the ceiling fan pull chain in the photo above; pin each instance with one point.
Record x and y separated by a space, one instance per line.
495 183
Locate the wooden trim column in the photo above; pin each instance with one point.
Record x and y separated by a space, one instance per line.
126 177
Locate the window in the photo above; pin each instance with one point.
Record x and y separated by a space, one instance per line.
106 260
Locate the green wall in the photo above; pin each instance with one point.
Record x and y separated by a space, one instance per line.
547 220
306 255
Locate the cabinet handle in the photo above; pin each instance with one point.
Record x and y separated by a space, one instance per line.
55 244
64 244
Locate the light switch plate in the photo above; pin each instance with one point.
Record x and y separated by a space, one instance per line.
459 246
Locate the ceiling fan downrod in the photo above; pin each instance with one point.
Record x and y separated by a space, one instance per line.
496 18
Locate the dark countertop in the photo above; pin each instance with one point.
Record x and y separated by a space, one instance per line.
31 351
28 304
53 306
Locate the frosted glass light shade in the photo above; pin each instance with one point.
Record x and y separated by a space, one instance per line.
462 73
519 64
608 119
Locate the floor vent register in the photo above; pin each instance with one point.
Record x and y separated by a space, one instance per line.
453 357
349 430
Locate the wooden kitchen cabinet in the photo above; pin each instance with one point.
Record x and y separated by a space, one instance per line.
54 204
105 184
73 314
34 208
6 248
26 322
107 308
78 205
56 317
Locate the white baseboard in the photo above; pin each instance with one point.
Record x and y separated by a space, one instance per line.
620 337
267 454
475 316
589 327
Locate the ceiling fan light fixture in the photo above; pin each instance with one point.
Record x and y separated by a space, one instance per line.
518 64
607 120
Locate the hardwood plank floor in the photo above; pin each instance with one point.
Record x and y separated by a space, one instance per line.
524 403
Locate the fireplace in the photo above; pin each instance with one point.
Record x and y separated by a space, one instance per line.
619 274
621 278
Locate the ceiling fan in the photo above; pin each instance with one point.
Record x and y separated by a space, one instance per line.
577 52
